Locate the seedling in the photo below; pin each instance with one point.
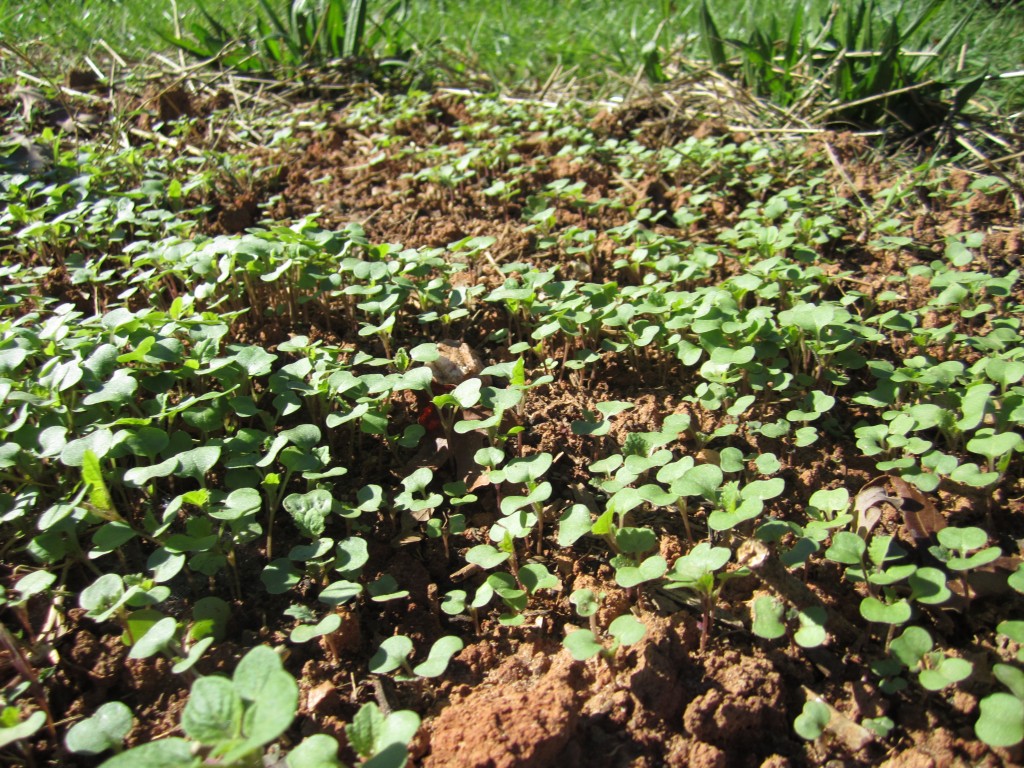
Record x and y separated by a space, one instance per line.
105 729
394 652
697 571
584 643
227 720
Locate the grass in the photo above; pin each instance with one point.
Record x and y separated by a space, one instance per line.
596 44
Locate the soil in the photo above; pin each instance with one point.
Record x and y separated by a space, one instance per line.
513 697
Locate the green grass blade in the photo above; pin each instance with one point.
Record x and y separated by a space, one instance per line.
712 38
355 27
283 37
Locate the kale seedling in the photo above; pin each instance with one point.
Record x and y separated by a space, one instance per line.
697 571
584 644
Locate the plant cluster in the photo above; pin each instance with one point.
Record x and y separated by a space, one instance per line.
159 464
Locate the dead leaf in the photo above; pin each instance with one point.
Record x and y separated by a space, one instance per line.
455 363
867 509
920 517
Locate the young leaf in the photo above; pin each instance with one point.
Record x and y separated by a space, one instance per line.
105 729
1001 723
370 732
573 525
582 644
316 751
873 609
811 722
173 752
214 711
440 654
768 618
155 640
306 632
627 629
391 654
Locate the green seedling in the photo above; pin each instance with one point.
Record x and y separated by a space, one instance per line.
14 729
963 550
1001 723
393 655
935 670
697 571
379 739
812 720
105 729
583 644
771 620
227 720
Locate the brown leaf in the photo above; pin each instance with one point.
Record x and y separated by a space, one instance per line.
867 509
455 363
920 516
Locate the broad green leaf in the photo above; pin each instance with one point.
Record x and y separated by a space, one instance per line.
847 548
351 555
391 654
172 752
310 510
928 586
703 480
652 568
536 576
22 730
140 476
1001 723
213 712
33 584
340 592
811 633
573 525
994 446
768 618
486 556
440 654
155 640
700 560
385 588
811 722
873 609
912 646
962 540
371 733
582 644
197 462
1010 676
627 629
950 670
279 576
305 632
99 442
105 729
316 751
636 540
586 602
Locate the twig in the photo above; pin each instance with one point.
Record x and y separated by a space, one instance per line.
767 567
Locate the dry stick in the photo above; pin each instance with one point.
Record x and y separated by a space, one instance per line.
113 54
1018 196
763 563
820 117
855 736
834 158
